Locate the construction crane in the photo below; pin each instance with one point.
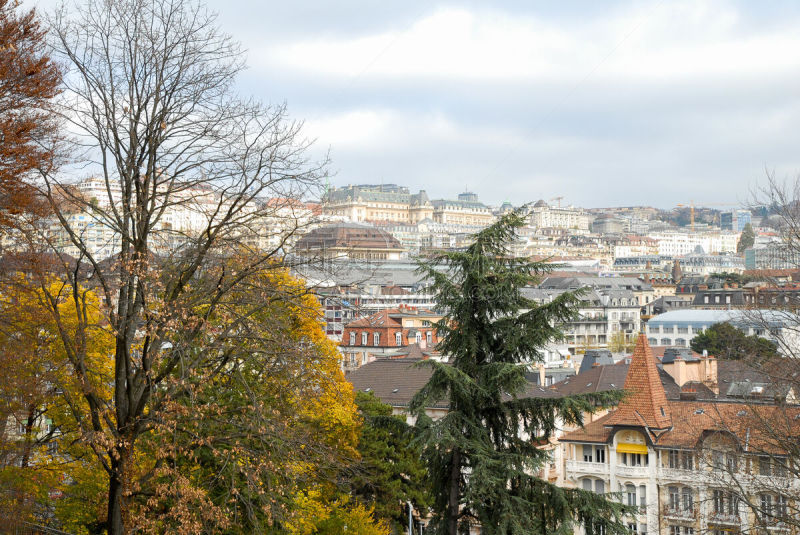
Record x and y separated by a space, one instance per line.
703 205
557 199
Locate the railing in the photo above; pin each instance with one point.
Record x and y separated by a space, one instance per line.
679 514
724 518
632 471
676 474
582 467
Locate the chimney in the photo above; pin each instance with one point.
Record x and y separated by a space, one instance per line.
679 371
710 376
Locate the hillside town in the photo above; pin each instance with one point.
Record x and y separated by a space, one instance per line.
512 296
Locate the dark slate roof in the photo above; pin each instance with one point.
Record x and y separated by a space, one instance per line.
610 377
685 353
395 381
595 357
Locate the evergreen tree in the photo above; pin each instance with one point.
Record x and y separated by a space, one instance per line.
391 472
726 342
747 238
483 456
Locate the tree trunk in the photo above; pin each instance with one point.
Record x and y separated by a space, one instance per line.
114 523
453 501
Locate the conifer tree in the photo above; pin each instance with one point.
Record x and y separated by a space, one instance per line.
484 455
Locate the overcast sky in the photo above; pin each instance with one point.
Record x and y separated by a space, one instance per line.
603 103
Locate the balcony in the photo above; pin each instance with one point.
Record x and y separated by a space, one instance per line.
584 468
676 474
679 514
726 519
633 471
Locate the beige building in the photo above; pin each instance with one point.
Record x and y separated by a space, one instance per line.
466 211
689 467
377 203
567 217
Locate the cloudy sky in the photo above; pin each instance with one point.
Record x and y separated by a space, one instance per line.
603 103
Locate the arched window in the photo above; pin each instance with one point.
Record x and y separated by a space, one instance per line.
630 495
595 485
376 339
665 342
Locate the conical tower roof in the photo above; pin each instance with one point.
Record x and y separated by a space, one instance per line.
646 404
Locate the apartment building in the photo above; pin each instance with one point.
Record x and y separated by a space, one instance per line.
688 466
387 332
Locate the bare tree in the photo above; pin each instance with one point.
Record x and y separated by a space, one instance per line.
191 186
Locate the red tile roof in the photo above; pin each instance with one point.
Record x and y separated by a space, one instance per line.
646 404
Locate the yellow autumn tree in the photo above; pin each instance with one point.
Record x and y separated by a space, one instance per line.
256 442
46 464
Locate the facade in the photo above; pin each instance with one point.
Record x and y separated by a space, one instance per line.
602 314
466 211
385 333
679 327
771 256
377 203
568 217
735 220
683 243
678 461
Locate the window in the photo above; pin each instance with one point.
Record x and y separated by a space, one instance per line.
587 453
719 502
376 339
419 337
642 497
429 338
764 466
634 459
600 455
674 499
352 339
587 484
600 486
688 499
630 495
778 468
766 506
780 507
398 339
363 339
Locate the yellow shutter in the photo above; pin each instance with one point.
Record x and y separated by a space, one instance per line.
625 447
